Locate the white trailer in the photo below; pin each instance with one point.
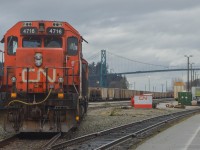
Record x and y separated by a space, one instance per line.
196 93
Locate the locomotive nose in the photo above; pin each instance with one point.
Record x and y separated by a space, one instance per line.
39 69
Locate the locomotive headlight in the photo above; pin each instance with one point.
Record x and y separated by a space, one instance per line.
60 80
13 79
38 56
38 59
38 63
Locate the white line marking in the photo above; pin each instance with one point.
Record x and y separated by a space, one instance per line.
191 139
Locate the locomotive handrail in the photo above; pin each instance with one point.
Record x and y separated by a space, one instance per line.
31 104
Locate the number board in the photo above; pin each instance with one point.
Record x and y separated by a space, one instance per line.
55 31
28 31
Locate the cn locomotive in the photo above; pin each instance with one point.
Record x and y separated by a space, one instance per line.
44 82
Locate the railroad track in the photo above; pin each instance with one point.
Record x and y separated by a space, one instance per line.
8 140
113 137
30 141
52 141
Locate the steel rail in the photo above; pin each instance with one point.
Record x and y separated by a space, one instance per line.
8 140
100 135
135 134
49 143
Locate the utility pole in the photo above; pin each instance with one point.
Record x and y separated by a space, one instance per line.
191 73
149 83
162 87
188 63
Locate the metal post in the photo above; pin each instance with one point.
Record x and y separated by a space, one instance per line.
149 83
188 62
195 79
188 85
191 73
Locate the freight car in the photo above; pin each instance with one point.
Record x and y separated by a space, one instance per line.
99 94
44 82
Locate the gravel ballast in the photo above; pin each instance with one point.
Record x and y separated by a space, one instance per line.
98 119
103 118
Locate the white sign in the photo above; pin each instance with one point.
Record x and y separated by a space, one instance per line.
143 99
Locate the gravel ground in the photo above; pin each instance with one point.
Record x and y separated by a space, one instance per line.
25 145
104 118
3 134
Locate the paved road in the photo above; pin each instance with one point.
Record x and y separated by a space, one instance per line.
183 136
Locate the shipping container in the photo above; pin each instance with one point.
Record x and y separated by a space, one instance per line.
195 93
185 98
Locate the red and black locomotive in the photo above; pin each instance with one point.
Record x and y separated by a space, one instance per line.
44 82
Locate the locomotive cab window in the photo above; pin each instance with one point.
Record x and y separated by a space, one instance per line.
12 45
31 41
72 46
53 42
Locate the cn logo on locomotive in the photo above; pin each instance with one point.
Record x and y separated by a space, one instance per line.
40 70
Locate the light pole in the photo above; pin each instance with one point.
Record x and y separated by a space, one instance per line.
188 62
191 73
149 83
195 78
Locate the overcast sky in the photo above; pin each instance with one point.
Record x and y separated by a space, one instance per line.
153 31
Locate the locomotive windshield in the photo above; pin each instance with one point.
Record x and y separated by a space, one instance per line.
53 42
35 41
31 41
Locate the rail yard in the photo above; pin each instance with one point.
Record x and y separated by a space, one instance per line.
46 101
97 120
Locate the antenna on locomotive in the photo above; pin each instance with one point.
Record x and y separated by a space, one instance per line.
84 40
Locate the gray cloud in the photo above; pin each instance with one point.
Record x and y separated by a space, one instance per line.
153 31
